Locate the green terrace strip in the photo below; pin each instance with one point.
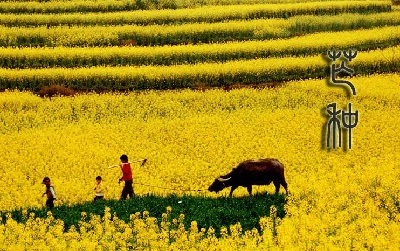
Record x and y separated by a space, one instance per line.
66 6
221 211
186 3
190 33
19 7
207 14
191 54
193 76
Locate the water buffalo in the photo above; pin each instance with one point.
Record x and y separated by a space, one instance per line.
252 172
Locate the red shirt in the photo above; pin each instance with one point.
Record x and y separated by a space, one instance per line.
126 171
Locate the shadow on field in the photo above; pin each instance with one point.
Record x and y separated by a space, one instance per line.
208 212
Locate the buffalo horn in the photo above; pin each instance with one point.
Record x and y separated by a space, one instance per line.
223 180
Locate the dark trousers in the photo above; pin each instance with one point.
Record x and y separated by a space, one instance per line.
98 198
50 203
128 190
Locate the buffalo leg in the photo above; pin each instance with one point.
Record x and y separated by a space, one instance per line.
277 185
284 184
249 189
232 189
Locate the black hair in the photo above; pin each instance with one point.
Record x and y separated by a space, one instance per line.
45 179
98 178
124 157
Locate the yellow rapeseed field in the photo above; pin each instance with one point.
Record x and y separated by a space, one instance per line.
340 199
211 13
312 44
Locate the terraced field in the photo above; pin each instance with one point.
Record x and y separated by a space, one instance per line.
160 79
107 45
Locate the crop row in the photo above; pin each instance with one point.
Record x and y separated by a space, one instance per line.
184 3
188 76
190 33
125 5
207 14
190 54
66 6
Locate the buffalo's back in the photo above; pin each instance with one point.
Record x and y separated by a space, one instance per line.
258 172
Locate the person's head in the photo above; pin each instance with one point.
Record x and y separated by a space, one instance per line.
98 179
46 181
124 158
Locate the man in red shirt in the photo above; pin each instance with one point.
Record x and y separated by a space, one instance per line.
127 177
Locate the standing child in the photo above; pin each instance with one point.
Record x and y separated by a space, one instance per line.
127 177
51 194
99 189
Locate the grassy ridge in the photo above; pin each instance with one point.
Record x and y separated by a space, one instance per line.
208 212
191 54
208 14
66 6
19 7
190 33
199 75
